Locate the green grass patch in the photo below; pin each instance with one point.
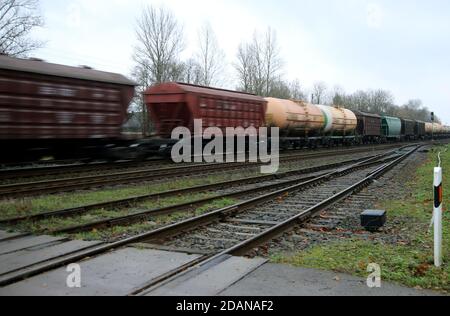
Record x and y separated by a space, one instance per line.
31 206
119 232
57 223
408 263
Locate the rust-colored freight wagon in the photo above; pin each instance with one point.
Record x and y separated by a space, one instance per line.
408 129
59 108
174 105
369 126
419 129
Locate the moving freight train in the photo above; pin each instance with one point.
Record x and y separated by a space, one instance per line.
301 124
71 112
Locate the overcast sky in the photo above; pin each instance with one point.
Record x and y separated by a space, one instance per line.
401 45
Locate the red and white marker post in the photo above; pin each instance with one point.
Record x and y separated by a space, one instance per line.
437 216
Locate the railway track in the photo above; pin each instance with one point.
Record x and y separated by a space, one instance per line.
253 220
246 191
55 170
128 202
89 182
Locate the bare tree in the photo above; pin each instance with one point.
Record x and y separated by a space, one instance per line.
259 64
244 67
381 101
279 89
141 74
319 92
192 72
339 96
296 91
17 19
272 60
160 42
210 58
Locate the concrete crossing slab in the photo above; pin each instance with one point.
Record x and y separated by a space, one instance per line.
115 274
212 280
21 259
26 243
6 235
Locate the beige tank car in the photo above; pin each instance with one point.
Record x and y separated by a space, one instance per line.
294 116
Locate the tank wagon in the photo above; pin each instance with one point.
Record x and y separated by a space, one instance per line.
338 121
436 130
50 109
304 124
294 118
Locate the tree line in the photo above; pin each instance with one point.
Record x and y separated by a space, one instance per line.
258 68
160 41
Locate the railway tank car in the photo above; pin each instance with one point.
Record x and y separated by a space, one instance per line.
338 121
302 123
294 118
50 109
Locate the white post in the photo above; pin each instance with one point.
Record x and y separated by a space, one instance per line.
438 194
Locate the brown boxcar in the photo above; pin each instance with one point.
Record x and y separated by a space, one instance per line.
369 125
49 105
174 105
419 130
408 128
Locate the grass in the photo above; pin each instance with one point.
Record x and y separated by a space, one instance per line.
408 263
31 206
61 223
124 231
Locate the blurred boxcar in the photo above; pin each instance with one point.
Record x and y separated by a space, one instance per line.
391 127
174 105
408 127
50 109
369 127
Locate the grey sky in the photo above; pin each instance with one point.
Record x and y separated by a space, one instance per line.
402 45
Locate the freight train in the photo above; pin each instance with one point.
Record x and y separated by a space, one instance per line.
76 112
301 124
